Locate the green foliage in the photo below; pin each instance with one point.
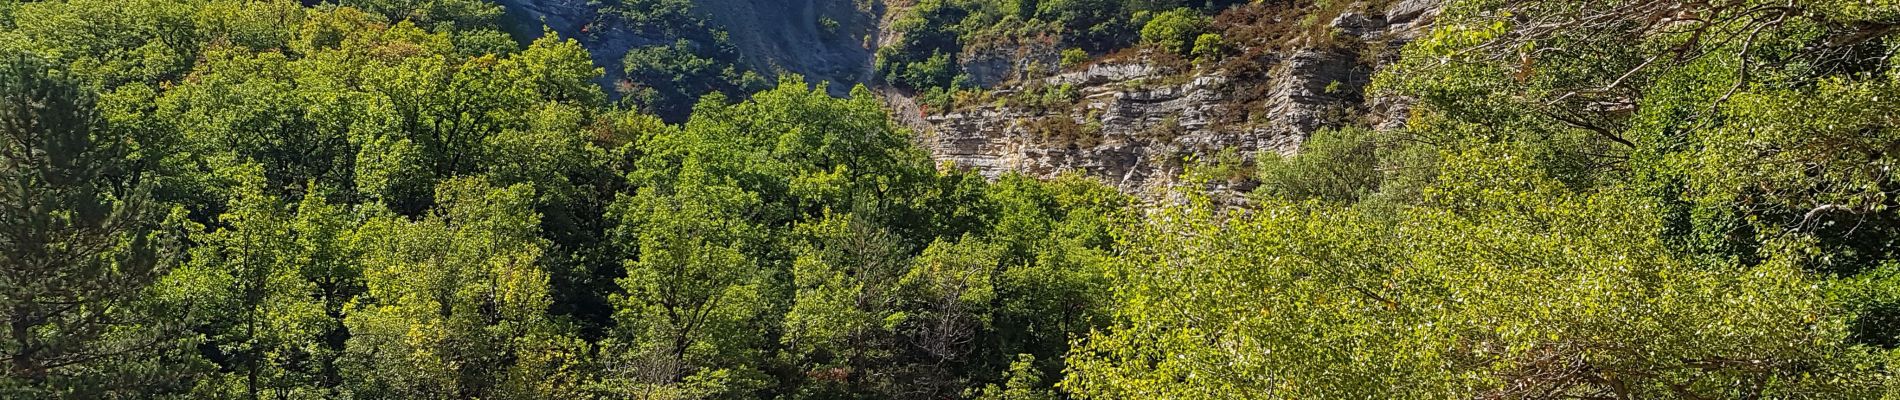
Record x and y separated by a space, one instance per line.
1698 132
411 209
83 241
668 17
669 77
455 303
824 199
391 199
1095 24
1497 277
933 34
1176 31
842 319
1073 57
1333 165
935 71
1550 223
829 25
265 286
695 58
260 117
947 293
1227 166
1024 383
460 13
692 291
1208 47
109 43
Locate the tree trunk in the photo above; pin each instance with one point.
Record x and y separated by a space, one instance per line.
25 365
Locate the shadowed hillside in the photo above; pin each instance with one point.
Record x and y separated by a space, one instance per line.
823 40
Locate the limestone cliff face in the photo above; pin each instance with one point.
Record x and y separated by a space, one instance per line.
1137 122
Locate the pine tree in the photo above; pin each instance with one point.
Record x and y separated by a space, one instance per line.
80 244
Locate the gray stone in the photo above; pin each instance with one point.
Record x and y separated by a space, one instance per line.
1410 13
1149 131
1358 25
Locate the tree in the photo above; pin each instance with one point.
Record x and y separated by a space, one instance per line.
841 328
82 244
1175 31
426 113
1055 239
668 78
1095 25
109 43
1503 284
1333 165
692 291
456 303
949 294
459 13
802 152
1208 47
558 71
263 286
1751 121
1024 383
247 107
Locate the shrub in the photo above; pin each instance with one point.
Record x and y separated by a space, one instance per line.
934 72
829 25
1073 57
1174 30
1209 47
1094 24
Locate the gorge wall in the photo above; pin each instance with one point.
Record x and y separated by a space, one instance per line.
1140 123
1135 120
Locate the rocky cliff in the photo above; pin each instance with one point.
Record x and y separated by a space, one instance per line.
1139 123
1136 121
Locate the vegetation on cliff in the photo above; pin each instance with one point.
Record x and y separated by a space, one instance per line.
392 199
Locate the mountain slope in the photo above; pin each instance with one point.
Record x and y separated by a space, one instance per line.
1137 118
771 36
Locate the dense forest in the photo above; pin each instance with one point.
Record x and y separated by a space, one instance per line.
396 199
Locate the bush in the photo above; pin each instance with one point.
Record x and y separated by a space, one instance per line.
1059 96
1174 30
829 25
669 79
936 71
1209 47
1093 24
1073 57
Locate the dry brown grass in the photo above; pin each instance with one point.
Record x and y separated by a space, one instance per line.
1264 34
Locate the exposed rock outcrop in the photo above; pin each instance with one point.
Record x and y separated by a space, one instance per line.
1137 124
997 65
822 40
